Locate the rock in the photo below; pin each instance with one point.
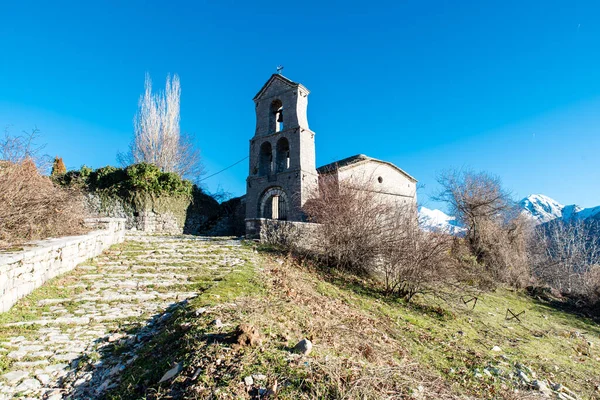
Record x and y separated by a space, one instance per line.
56 368
55 396
247 335
170 374
15 376
79 382
28 384
272 390
217 323
303 347
43 378
249 381
66 357
17 354
523 376
114 337
200 311
196 374
557 387
541 386
496 348
259 377
564 396
18 339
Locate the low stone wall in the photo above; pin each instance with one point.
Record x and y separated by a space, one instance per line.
149 221
23 271
302 235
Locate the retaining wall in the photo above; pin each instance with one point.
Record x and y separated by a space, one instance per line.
23 271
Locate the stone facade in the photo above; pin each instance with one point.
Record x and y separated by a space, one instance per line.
22 272
282 153
386 179
283 173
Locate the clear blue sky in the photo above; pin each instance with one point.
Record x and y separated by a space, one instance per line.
511 87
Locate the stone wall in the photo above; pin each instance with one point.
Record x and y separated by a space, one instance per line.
302 235
23 271
166 214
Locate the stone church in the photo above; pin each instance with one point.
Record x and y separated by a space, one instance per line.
283 173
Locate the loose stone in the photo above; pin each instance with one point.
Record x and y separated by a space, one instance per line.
303 347
14 377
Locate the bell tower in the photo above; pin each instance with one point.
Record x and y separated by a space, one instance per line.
282 172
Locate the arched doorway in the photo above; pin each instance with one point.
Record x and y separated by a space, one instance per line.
274 204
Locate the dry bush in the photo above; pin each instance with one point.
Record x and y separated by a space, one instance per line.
566 256
363 231
414 261
352 222
33 207
496 235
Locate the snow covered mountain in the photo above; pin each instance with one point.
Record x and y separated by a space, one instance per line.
539 208
542 209
436 220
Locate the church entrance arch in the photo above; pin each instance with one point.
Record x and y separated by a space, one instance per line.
274 204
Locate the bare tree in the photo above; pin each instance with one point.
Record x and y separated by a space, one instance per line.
496 235
566 255
18 148
352 222
413 260
157 136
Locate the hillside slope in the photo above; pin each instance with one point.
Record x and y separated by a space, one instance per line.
366 346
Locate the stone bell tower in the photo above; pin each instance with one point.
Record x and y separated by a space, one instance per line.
282 154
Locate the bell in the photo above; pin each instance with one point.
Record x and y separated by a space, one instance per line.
280 116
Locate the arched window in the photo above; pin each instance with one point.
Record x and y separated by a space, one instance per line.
276 118
283 154
265 161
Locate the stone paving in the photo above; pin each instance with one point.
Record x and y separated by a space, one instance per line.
119 298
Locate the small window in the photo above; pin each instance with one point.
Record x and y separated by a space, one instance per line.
380 180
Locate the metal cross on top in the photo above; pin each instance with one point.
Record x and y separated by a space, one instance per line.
279 69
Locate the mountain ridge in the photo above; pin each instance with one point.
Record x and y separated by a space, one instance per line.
538 208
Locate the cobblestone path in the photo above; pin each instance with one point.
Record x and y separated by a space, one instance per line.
61 342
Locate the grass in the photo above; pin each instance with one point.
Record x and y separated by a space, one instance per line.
365 343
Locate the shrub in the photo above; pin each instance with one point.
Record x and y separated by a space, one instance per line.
363 231
566 256
33 207
496 235
127 182
58 167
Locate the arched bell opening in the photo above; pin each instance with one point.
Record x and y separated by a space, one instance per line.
276 117
265 161
283 155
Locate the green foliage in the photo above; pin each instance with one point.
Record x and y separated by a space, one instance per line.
127 182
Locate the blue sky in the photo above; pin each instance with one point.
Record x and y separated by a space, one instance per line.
509 87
